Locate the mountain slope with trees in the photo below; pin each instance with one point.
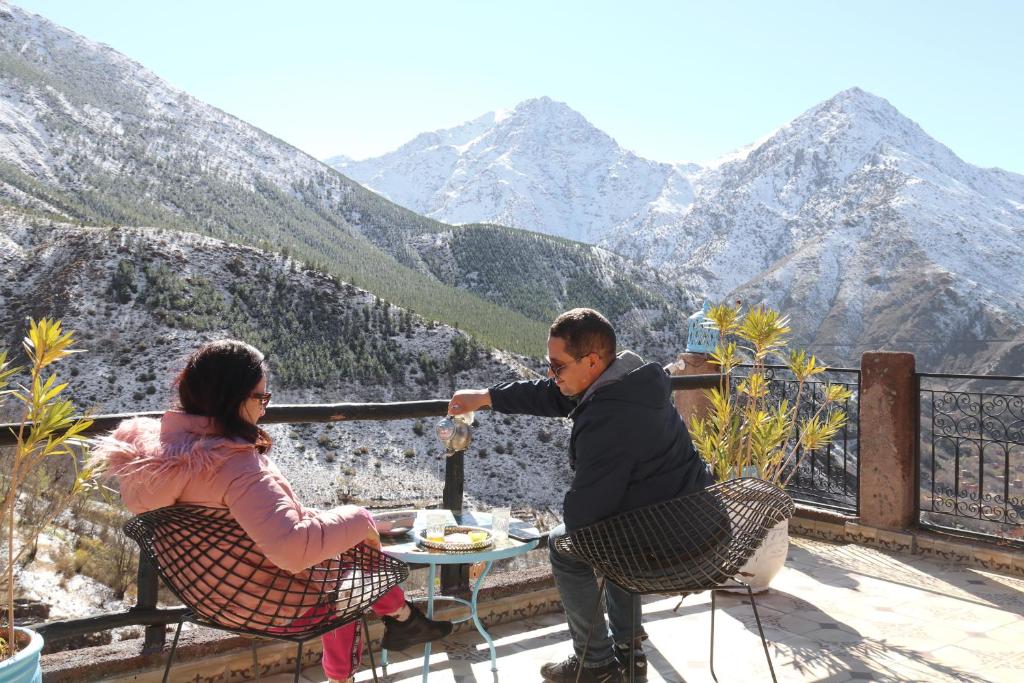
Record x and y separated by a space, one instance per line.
541 275
140 300
90 136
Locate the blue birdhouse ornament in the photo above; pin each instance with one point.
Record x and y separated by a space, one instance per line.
701 338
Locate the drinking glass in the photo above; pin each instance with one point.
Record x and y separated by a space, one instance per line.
500 518
435 527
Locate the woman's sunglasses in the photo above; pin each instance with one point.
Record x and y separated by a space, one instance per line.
263 398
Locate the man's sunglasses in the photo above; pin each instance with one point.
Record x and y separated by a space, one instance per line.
556 368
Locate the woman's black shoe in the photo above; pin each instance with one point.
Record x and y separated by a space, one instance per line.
416 630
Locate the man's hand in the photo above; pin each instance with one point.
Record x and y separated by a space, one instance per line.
467 400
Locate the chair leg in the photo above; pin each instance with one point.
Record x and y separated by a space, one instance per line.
632 643
369 649
590 631
298 663
711 656
255 661
764 643
174 646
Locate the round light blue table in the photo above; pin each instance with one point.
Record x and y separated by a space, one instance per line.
406 549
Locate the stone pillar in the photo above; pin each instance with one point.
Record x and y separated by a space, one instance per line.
690 403
889 406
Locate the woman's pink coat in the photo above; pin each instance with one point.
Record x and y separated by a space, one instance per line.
182 459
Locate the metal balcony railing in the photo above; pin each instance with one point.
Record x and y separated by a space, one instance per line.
970 453
146 613
828 477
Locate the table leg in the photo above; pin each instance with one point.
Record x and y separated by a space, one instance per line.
431 573
476 617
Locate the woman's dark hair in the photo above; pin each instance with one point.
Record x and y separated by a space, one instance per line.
217 379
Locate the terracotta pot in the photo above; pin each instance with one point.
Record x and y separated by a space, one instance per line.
767 561
24 666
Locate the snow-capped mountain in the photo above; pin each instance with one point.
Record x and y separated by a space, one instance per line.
68 104
541 166
868 231
851 155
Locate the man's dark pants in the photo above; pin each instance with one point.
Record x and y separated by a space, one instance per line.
578 587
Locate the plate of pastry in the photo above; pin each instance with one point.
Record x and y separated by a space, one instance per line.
394 523
458 539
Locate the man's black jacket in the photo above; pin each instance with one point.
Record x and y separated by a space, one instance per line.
629 446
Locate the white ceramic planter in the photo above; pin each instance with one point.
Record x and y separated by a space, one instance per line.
768 560
24 666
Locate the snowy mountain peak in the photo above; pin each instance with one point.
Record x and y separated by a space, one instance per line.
855 123
545 109
541 103
540 166
856 99
558 124
51 47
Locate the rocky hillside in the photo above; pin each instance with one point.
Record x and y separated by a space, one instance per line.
141 299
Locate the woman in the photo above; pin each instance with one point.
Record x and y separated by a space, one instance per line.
211 452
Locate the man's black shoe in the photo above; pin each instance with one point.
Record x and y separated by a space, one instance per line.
639 663
416 630
565 672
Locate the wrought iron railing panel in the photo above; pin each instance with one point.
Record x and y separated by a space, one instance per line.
826 477
971 454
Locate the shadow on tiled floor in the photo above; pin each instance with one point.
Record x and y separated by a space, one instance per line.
836 613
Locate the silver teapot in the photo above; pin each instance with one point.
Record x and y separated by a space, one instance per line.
454 433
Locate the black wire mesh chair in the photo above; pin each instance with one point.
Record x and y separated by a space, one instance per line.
207 560
689 544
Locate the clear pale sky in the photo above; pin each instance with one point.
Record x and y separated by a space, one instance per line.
672 81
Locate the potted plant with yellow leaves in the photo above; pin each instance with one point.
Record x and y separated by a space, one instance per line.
749 432
48 429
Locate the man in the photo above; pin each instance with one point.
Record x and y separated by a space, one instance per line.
629 448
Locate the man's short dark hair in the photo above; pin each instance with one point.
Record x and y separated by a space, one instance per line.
584 331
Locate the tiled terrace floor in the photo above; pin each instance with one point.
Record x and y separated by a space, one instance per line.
835 613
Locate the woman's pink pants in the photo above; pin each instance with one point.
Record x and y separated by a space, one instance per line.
343 647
